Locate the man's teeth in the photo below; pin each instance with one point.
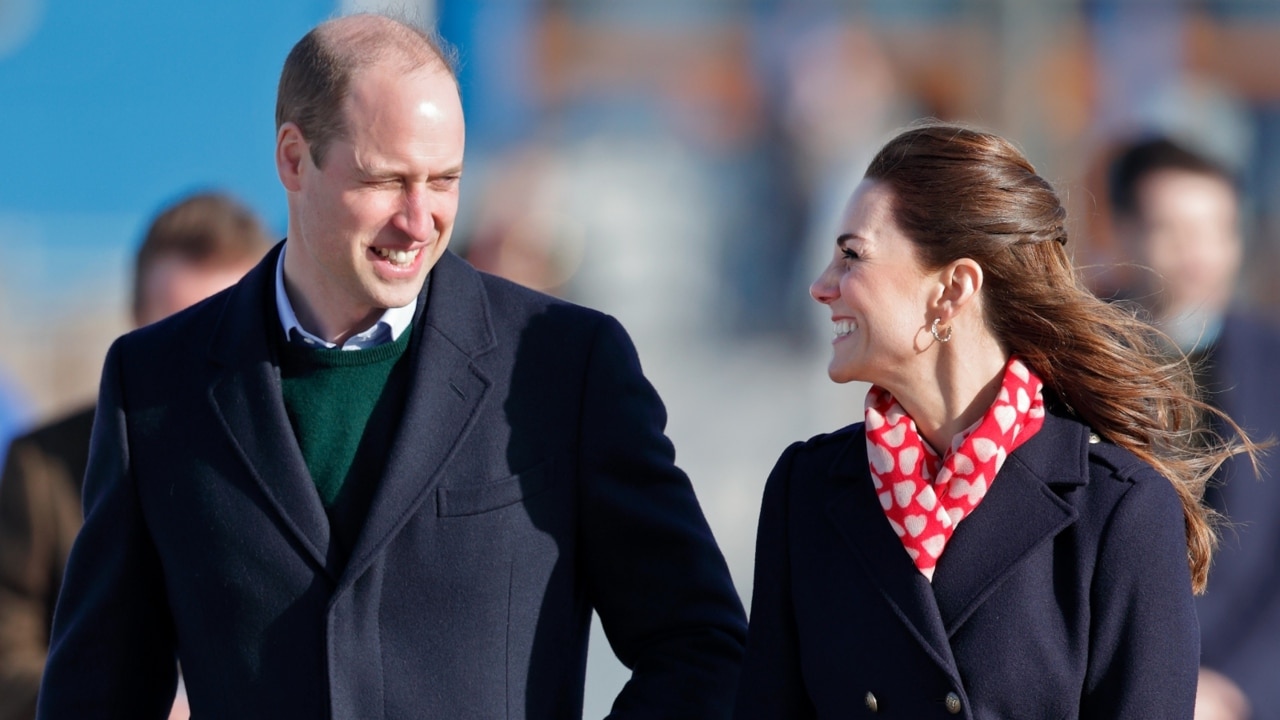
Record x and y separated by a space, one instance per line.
843 327
398 257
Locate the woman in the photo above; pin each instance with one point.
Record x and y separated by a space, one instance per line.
1017 529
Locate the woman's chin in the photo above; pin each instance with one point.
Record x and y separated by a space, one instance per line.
841 373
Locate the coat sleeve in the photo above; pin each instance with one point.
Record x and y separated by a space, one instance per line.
653 570
772 686
112 649
1144 646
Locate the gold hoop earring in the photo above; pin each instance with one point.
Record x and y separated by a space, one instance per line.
933 329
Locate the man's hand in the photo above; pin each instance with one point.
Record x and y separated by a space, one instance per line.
1218 698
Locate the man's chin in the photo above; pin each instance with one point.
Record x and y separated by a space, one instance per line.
404 295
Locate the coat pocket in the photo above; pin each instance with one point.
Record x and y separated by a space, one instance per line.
490 496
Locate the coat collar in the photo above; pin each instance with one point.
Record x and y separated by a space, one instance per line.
860 520
445 391
1020 511
1023 513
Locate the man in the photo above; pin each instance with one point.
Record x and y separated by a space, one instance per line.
193 249
369 481
1176 214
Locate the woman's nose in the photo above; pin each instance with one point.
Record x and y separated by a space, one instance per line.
824 289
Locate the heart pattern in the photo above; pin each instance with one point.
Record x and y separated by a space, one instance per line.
915 524
924 496
907 460
894 436
984 448
903 492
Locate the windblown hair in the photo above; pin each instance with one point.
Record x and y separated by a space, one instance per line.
961 193
317 73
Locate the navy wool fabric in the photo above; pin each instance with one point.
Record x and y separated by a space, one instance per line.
529 481
1065 594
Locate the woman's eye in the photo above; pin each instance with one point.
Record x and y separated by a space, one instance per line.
848 254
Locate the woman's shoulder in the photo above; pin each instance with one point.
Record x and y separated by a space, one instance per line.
1110 464
1118 478
806 465
1070 439
827 442
1112 493
820 453
1087 469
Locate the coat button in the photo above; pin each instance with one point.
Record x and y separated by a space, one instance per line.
1094 439
953 703
872 704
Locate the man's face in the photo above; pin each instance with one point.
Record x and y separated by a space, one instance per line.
1188 235
367 227
173 283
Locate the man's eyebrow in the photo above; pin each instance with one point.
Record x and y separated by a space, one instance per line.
387 171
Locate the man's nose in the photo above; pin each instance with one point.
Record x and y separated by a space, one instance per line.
415 217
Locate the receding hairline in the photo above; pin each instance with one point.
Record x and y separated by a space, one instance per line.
369 39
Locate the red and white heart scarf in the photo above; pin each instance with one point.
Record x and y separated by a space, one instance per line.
925 496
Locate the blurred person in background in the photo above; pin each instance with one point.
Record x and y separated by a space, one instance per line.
370 481
517 234
12 413
192 250
1017 530
1176 214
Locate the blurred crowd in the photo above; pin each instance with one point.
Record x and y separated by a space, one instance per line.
681 165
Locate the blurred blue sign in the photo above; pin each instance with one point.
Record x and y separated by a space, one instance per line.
110 110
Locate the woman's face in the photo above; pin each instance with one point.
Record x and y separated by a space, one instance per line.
878 293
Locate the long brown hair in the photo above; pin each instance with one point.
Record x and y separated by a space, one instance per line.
963 193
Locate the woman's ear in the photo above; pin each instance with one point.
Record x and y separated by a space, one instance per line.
959 283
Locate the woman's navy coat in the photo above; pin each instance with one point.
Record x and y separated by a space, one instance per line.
1065 594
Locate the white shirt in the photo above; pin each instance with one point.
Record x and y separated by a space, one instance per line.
387 329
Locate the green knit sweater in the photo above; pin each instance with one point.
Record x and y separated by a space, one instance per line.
344 406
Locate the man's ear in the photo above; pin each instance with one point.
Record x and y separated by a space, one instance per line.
291 154
958 286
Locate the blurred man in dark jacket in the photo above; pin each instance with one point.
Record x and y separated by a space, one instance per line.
1176 214
192 250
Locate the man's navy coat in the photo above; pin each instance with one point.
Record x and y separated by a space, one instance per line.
1065 594
1240 612
528 482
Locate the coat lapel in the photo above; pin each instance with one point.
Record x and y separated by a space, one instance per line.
1018 513
446 390
860 520
246 396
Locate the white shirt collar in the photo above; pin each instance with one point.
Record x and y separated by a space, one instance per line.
387 329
